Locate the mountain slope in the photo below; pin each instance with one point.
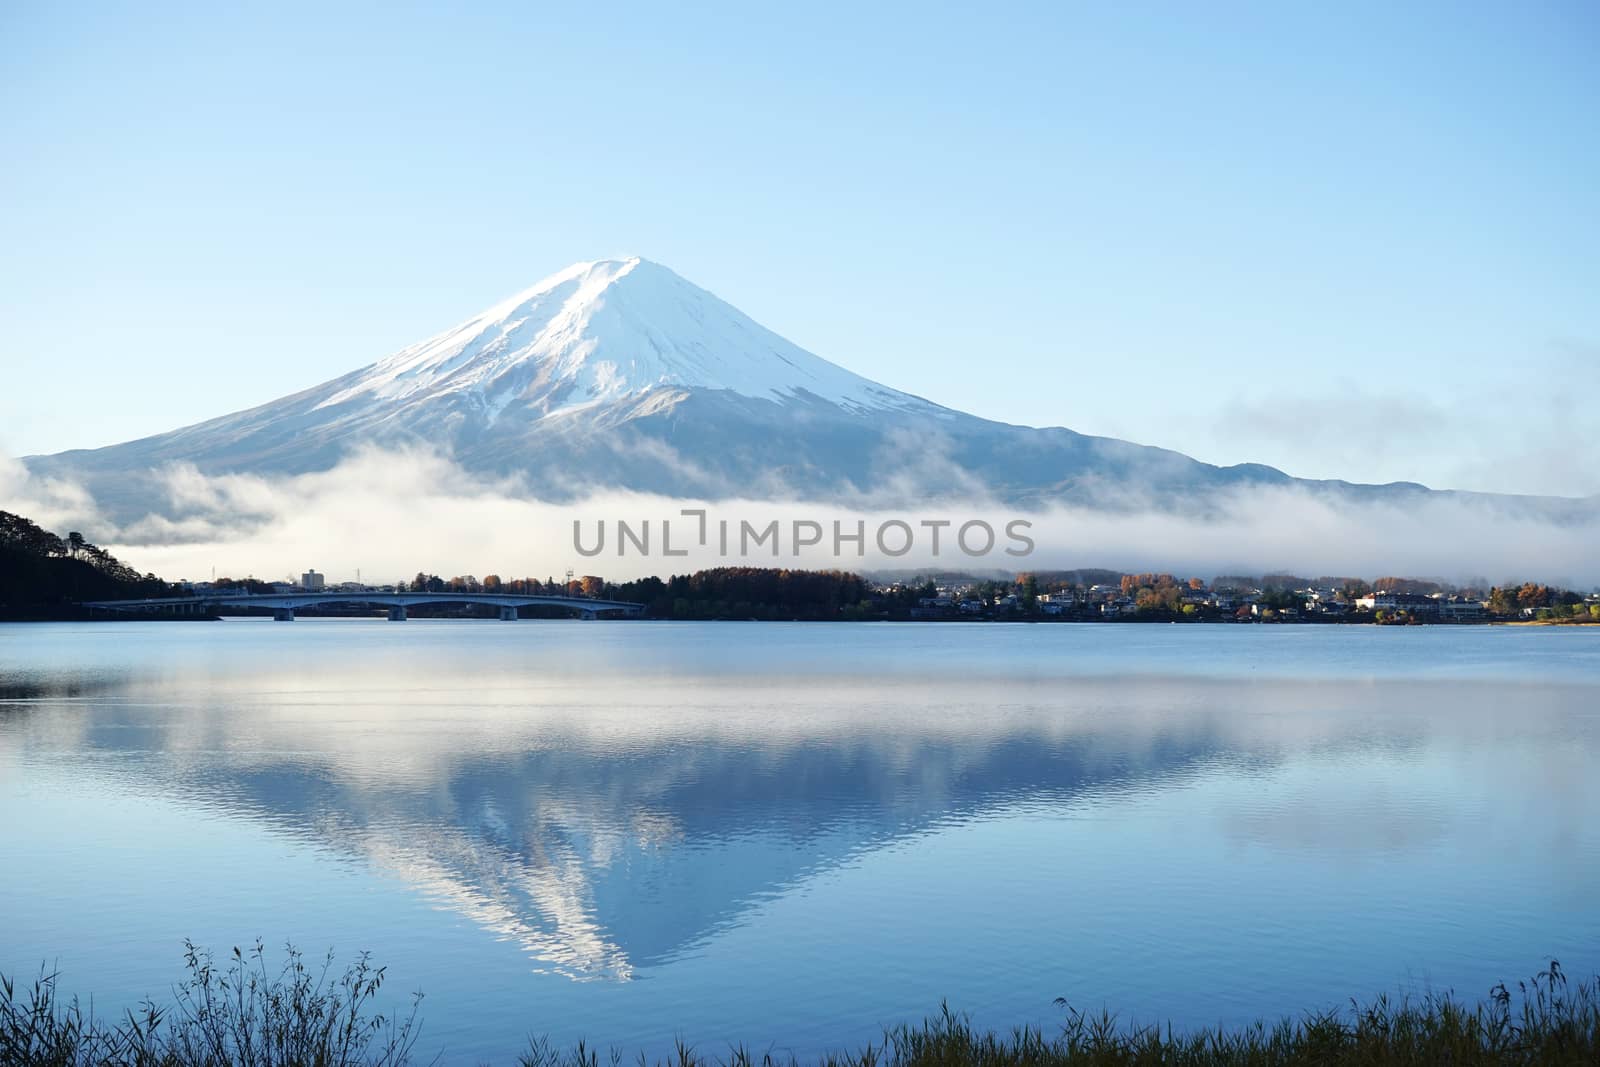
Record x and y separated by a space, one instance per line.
597 333
620 373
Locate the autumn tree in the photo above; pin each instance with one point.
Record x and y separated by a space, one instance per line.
1153 592
1534 596
1511 600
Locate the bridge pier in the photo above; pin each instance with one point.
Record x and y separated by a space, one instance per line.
586 615
397 613
283 615
508 613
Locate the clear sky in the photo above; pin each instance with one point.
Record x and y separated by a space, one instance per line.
1361 241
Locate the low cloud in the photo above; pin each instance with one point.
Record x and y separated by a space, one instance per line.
54 503
389 514
1532 433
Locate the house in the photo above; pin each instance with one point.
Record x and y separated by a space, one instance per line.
1383 600
1460 609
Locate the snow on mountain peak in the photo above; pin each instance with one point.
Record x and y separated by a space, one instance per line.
606 331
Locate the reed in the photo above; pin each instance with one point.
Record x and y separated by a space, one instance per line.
242 1013
239 1013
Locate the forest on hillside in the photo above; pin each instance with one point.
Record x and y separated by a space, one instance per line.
46 576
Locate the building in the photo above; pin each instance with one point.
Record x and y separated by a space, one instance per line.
1383 600
1461 610
312 582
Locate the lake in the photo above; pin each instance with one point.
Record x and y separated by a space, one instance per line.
792 835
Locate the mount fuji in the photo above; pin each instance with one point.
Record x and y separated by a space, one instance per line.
619 373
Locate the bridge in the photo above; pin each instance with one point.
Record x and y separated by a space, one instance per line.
283 605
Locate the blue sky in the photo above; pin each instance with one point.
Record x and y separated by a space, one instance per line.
1361 242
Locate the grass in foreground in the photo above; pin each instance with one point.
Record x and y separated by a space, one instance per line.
239 1014
244 1015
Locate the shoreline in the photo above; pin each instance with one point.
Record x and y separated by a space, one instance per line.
123 617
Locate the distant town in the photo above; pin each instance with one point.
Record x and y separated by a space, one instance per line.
1277 598
46 576
1081 596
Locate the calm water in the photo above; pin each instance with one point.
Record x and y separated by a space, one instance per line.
795 834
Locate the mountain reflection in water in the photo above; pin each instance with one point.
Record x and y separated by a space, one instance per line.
996 812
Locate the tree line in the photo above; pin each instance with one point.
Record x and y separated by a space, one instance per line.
45 575
751 593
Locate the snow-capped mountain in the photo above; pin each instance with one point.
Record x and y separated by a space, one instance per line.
605 333
619 373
